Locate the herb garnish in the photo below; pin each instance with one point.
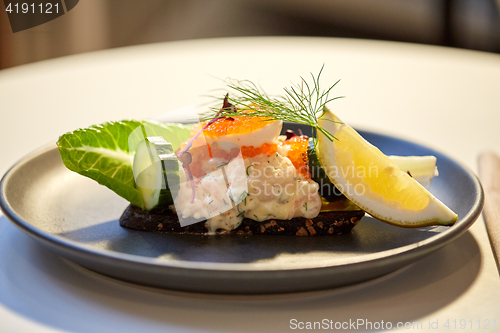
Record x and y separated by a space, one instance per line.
301 104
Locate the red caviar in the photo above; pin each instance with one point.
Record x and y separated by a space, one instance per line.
297 154
266 148
235 125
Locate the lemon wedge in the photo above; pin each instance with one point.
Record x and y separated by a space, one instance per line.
374 182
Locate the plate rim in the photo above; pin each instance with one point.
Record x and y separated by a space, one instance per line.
400 253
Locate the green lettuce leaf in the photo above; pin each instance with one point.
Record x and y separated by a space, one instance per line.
102 152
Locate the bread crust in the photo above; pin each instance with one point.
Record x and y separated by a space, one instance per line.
326 223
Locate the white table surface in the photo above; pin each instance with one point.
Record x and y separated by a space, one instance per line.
444 98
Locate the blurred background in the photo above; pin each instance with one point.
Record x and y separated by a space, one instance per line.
101 24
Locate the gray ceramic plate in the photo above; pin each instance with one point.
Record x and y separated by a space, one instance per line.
78 219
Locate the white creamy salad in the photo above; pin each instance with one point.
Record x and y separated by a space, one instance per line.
262 187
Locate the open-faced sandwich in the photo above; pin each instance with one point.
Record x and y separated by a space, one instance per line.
235 173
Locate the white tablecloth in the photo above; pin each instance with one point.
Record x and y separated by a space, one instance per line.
444 98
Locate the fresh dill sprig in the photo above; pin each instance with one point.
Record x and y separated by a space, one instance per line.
302 103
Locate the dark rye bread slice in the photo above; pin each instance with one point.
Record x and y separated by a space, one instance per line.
326 223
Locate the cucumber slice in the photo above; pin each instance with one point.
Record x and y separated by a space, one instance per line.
156 172
326 189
